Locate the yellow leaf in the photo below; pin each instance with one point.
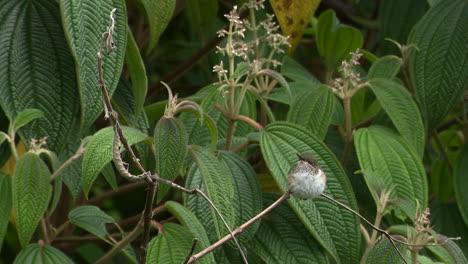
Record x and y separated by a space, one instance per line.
9 166
293 17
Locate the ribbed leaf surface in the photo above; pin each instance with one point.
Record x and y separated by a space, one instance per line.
5 204
247 200
84 23
31 194
313 110
402 110
439 68
26 116
282 238
460 181
99 152
393 163
170 142
190 221
333 227
383 252
172 246
385 67
45 254
91 219
37 70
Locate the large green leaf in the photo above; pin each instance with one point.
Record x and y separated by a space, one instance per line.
386 158
37 70
137 71
439 67
99 152
313 109
335 228
334 40
282 238
191 222
91 219
385 67
172 246
217 186
460 181
397 18
84 22
201 15
402 110
383 252
35 253
170 143
31 194
26 116
5 204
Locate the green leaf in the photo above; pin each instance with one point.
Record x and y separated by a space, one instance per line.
91 219
170 142
31 194
109 175
336 41
216 185
201 15
439 68
191 222
210 100
241 70
402 110
247 199
296 72
282 238
386 67
37 70
460 181
158 14
335 228
172 246
84 22
277 76
99 152
383 252
35 253
26 116
137 71
5 204
394 162
397 18
313 109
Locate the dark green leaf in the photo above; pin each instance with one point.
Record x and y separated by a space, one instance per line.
26 116
37 71
402 110
313 109
385 67
439 67
282 238
99 152
201 15
336 41
170 142
210 100
35 253
91 219
460 181
383 252
335 228
84 22
109 175
31 194
277 76
393 161
137 71
5 204
296 72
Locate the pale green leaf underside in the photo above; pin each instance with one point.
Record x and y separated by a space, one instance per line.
460 181
439 67
5 204
37 69
282 238
84 23
394 162
36 253
31 194
99 152
333 227
402 110
91 219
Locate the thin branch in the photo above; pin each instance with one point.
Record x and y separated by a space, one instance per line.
442 150
241 146
147 216
122 189
45 231
240 229
79 153
192 249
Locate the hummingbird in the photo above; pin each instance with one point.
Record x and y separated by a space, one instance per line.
306 179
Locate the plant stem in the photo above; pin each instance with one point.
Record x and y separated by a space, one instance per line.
147 216
442 150
348 130
45 231
78 155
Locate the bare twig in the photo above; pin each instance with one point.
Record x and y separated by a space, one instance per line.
147 216
240 229
192 249
79 153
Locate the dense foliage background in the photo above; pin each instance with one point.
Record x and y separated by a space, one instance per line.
376 90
